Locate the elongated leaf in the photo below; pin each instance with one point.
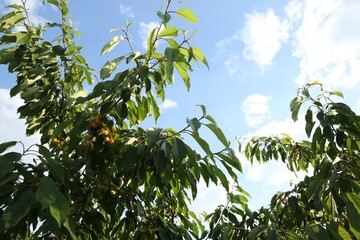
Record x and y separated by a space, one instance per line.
16 211
187 14
154 106
70 226
6 166
54 2
203 144
54 166
50 197
295 107
198 53
337 93
171 54
219 134
112 44
60 209
169 31
183 74
6 145
338 231
254 233
179 150
223 179
353 206
110 67
194 124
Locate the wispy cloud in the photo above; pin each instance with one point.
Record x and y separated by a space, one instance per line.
263 34
168 103
127 11
325 41
256 109
232 64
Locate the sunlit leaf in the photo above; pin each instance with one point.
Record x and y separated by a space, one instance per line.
187 14
169 31
112 44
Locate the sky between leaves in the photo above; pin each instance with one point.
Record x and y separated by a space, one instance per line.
259 53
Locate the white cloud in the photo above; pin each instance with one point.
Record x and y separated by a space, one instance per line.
256 109
326 42
222 44
13 128
232 64
263 34
168 103
126 11
145 29
208 198
273 173
295 129
33 7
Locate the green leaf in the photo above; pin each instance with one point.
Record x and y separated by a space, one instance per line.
165 18
150 42
110 45
154 106
18 210
179 150
183 74
295 107
110 67
47 192
153 135
219 134
353 207
203 144
203 109
171 54
254 233
60 209
6 166
6 145
53 165
338 231
166 174
198 53
194 124
271 235
317 232
337 93
54 2
70 226
58 50
169 31
187 14
50 197
22 38
223 179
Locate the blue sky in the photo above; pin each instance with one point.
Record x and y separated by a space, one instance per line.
259 53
